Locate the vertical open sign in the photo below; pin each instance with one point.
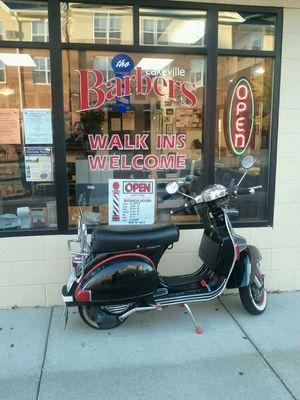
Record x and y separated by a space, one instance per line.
239 116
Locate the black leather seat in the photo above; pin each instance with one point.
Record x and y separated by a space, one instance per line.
115 238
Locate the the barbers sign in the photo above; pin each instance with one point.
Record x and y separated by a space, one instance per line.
239 116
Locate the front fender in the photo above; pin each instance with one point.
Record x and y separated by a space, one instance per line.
244 268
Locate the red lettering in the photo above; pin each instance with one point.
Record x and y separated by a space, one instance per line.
180 161
114 162
124 165
167 162
115 141
140 142
240 107
190 96
240 124
168 141
172 90
97 162
135 160
143 80
156 89
112 91
151 161
98 142
84 89
181 141
241 96
127 145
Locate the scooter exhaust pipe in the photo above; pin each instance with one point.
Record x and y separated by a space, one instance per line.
137 309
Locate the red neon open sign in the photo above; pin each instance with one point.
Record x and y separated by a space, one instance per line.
240 116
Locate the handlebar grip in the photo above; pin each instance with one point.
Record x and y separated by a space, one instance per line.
243 191
179 209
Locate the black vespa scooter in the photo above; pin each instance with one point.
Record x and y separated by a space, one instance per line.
117 274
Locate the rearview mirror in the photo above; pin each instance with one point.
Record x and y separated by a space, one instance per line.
172 187
248 161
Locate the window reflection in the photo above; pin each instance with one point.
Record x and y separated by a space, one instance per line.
24 21
91 23
160 27
246 31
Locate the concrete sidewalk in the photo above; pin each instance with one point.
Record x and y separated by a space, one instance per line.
154 355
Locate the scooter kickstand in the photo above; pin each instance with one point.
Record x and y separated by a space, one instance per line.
197 326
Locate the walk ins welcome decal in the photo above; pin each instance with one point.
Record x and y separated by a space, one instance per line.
239 116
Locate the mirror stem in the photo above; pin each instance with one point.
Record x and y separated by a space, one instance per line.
186 195
240 181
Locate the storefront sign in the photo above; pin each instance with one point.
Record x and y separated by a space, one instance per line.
131 201
38 164
239 116
37 125
10 132
125 84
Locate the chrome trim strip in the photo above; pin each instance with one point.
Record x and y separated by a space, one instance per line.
68 299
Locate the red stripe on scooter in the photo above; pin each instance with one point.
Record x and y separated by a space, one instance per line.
118 256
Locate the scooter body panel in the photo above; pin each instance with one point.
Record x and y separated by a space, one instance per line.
244 268
119 279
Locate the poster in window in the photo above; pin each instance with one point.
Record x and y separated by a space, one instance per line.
38 164
131 201
37 126
10 131
188 118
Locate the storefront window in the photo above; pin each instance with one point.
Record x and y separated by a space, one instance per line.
24 21
154 133
172 27
246 31
27 188
136 84
92 23
244 107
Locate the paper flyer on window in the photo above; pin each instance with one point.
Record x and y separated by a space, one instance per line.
37 125
38 164
10 132
131 201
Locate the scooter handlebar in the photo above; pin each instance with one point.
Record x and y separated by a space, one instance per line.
186 205
250 190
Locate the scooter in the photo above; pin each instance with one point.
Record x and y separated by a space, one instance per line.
117 274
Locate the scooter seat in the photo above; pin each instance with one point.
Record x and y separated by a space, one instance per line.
117 238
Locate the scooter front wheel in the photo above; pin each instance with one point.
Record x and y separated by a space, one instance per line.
254 297
97 318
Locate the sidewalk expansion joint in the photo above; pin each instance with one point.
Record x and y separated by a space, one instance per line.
44 357
258 351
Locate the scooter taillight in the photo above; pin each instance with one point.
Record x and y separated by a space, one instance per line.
83 295
237 252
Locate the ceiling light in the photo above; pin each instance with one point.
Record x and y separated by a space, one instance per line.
186 31
259 70
154 63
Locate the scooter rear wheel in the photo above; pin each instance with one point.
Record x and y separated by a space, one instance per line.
253 297
97 318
